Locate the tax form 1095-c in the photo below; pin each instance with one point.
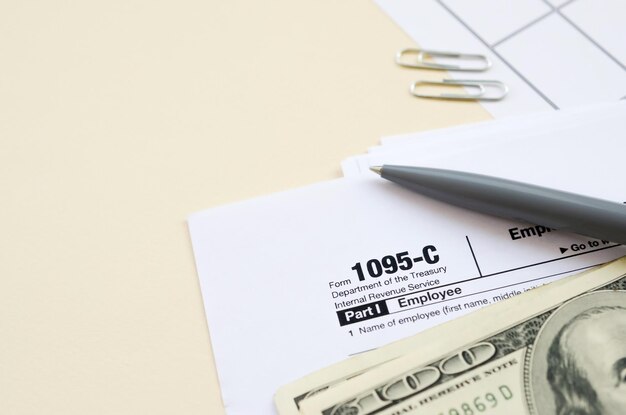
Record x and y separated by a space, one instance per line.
299 280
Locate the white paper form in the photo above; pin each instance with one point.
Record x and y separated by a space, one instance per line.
552 54
299 280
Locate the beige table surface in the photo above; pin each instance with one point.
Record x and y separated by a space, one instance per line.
117 120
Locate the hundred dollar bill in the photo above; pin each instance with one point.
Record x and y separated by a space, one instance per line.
559 349
289 398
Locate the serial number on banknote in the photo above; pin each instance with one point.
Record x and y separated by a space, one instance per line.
480 404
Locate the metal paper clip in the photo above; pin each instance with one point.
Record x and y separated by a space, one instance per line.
480 90
420 54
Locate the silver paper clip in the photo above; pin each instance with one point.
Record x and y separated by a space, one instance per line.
480 90
483 62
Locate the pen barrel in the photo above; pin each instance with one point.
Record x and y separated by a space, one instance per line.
555 209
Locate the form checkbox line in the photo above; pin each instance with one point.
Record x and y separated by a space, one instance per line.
590 39
521 29
495 52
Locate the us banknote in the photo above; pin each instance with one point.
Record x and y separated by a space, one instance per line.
559 349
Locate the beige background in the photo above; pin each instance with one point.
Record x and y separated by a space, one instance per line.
117 120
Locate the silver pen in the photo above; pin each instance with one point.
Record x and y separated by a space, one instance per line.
555 209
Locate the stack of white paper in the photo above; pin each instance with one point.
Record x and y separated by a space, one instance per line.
299 280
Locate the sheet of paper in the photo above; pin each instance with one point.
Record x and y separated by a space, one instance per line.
536 120
420 147
296 281
552 54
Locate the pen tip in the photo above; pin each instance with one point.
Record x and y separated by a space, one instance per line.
377 169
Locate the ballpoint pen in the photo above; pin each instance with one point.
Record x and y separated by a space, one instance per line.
555 209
